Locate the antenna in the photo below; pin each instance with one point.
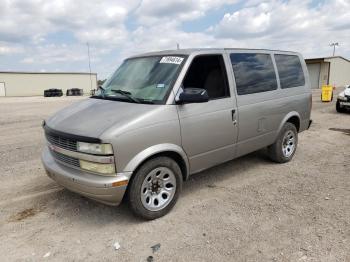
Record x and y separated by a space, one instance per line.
88 50
334 45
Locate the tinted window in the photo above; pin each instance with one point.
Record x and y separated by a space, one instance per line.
208 72
290 71
254 73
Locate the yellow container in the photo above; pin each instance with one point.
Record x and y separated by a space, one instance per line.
327 93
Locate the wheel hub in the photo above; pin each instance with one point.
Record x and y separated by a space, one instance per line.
288 144
158 188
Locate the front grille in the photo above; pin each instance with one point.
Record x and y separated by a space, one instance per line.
65 159
62 142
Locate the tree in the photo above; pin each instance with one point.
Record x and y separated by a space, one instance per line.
100 82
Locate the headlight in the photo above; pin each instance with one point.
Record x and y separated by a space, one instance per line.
106 169
96 149
341 96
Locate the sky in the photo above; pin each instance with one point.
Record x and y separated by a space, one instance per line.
52 35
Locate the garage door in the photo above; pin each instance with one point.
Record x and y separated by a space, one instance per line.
314 73
2 89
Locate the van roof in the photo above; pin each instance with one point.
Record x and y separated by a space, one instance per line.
193 50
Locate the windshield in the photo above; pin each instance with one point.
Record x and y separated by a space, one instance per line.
142 80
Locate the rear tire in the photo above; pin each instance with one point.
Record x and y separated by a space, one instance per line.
284 148
155 188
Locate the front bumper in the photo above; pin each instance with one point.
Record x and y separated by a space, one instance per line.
97 187
344 103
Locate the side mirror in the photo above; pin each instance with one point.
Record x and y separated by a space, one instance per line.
193 95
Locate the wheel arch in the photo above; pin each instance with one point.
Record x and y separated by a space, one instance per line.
172 151
292 117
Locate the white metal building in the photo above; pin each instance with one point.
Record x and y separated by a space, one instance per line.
334 70
34 84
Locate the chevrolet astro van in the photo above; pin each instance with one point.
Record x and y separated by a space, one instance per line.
164 116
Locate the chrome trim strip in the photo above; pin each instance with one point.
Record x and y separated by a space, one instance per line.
85 170
81 169
82 156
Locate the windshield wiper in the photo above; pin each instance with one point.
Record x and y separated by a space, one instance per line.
127 95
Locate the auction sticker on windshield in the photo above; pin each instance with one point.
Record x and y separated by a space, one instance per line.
171 60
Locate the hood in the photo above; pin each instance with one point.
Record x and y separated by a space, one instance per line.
346 92
91 117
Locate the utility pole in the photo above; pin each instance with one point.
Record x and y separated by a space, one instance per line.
177 46
88 50
334 45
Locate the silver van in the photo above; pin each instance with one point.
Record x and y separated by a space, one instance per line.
164 116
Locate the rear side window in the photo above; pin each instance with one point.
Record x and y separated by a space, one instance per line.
290 71
254 73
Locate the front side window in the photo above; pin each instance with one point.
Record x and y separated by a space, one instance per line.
143 79
254 73
290 71
208 72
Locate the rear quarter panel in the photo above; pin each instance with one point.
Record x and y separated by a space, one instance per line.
295 101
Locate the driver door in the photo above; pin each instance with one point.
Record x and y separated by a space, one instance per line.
208 130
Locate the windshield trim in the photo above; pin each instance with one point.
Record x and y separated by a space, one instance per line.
176 76
171 85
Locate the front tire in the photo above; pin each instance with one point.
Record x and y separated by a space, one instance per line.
155 188
284 148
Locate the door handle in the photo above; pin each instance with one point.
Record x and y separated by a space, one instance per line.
234 118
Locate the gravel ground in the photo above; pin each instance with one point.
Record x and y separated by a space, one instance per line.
249 209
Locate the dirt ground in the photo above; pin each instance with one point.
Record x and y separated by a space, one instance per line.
249 209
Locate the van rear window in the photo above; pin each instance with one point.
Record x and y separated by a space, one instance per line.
290 71
254 73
